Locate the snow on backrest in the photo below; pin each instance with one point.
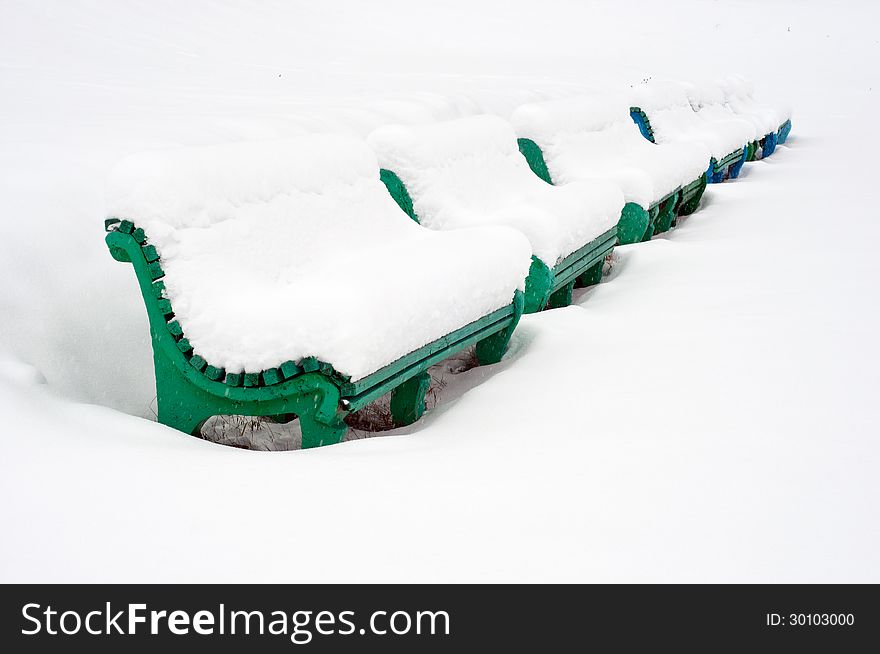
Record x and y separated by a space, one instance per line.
739 96
736 86
455 168
201 186
410 149
547 122
668 109
703 94
587 135
674 119
469 172
660 96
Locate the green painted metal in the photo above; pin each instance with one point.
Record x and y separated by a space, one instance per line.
490 350
633 219
730 159
543 283
398 191
366 389
190 390
633 223
690 196
652 223
721 170
408 399
539 285
666 212
561 297
581 260
535 158
592 276
751 150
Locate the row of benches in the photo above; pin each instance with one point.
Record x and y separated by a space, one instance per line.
281 280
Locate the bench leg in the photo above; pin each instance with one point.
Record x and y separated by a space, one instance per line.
179 404
666 213
561 298
492 348
736 167
538 285
592 275
652 224
769 144
316 433
408 400
633 223
687 207
181 415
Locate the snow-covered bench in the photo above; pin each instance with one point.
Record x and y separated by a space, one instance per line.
469 172
708 100
281 279
593 137
664 115
773 123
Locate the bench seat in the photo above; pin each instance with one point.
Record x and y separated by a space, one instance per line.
469 172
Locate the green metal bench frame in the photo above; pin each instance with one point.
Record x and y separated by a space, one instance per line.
715 168
690 197
190 390
546 287
636 223
723 168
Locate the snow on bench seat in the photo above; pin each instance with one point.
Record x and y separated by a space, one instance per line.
469 172
275 251
593 137
673 120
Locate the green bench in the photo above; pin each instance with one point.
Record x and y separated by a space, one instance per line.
191 388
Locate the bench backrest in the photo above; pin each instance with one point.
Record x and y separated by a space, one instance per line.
709 101
673 118
573 132
668 108
738 95
454 169
309 192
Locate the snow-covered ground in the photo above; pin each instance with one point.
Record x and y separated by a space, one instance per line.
708 413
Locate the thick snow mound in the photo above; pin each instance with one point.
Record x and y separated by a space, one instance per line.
708 100
593 137
469 172
674 120
738 95
285 249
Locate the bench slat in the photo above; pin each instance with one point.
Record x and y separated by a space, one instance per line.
392 369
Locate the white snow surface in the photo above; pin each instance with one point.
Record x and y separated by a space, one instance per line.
467 172
673 120
738 94
707 99
302 232
593 137
707 413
